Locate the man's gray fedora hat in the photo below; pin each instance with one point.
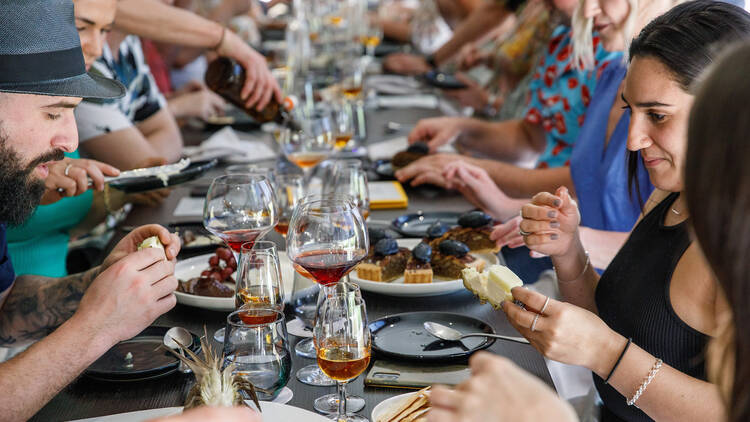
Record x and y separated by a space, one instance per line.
40 52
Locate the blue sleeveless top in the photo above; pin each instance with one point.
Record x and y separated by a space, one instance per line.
599 169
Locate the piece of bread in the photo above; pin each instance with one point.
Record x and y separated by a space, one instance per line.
410 409
493 285
152 242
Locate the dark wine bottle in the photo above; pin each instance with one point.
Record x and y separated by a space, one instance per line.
226 77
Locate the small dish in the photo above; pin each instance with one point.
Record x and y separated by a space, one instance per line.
415 225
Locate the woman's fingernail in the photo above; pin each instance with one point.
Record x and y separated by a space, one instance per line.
554 224
552 214
554 237
558 202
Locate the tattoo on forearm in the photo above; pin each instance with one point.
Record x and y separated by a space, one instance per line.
37 305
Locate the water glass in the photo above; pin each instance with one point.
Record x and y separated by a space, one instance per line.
259 353
259 285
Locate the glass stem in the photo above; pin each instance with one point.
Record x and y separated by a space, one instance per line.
342 400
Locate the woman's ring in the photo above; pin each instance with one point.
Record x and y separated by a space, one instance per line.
67 168
533 323
546 302
523 233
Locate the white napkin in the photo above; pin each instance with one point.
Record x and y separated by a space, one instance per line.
226 144
189 207
393 84
386 149
408 101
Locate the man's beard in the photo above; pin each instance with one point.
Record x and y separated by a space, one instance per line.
20 192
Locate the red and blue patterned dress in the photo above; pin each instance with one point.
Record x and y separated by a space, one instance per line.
559 95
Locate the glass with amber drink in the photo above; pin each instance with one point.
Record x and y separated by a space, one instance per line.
343 343
260 288
312 142
290 189
350 179
343 124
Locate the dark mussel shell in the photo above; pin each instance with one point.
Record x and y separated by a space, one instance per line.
436 230
474 219
386 247
419 148
376 235
422 252
453 247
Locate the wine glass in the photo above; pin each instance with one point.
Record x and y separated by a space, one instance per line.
311 142
289 191
343 343
343 119
352 79
349 179
254 170
259 284
327 238
240 208
259 352
372 39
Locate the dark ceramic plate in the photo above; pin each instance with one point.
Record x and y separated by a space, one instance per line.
146 183
443 80
415 225
403 336
383 169
149 360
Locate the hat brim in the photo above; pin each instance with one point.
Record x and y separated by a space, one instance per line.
87 85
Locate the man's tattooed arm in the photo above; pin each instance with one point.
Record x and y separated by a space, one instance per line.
36 306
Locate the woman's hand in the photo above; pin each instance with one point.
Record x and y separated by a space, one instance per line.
564 332
478 188
438 131
70 177
406 64
498 390
551 222
473 95
506 234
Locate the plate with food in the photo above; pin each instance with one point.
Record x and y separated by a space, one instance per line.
411 407
429 266
194 238
207 281
141 180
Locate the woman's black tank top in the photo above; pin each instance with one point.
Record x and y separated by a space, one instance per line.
633 299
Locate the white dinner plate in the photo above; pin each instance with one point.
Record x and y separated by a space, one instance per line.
387 404
272 412
193 267
398 288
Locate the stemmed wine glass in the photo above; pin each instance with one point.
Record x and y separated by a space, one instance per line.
349 179
343 118
327 238
240 208
343 343
311 142
289 191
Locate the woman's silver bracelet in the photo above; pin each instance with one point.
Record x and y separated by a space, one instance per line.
651 374
585 267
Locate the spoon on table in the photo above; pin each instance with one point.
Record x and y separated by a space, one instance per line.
185 338
447 333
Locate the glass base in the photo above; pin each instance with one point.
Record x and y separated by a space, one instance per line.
306 349
330 404
312 375
219 335
348 418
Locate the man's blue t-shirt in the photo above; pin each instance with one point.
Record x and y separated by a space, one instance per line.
7 275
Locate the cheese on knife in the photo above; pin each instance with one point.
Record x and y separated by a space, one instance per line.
493 285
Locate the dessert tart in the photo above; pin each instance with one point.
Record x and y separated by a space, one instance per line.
385 262
493 285
474 229
451 257
418 269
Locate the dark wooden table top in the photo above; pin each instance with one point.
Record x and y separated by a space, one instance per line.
86 398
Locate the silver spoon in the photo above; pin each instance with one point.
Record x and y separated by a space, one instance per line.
185 338
446 333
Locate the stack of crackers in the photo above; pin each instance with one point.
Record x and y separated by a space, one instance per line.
411 409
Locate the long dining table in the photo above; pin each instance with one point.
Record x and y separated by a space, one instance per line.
86 397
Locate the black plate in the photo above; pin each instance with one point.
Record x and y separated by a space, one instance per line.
403 336
148 361
204 240
415 225
383 170
385 49
443 80
146 183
